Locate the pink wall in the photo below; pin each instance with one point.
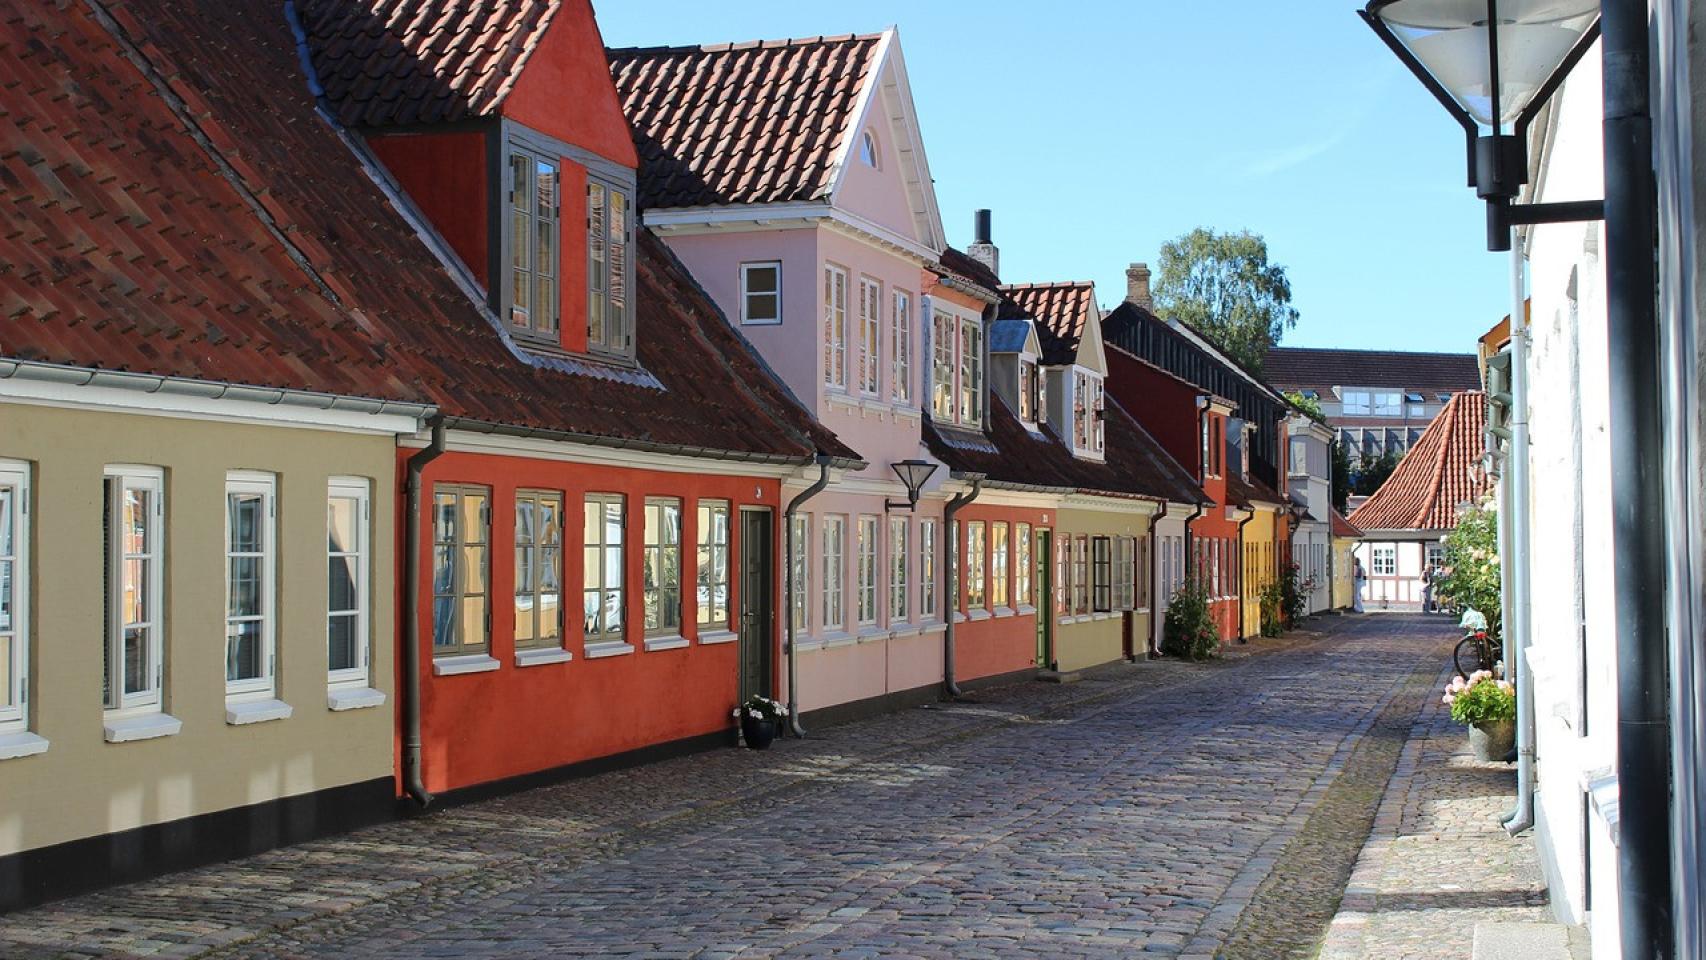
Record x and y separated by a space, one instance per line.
878 195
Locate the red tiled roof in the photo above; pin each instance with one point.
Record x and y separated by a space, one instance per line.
1136 464
1297 368
1343 528
126 246
758 122
400 62
1060 309
1436 476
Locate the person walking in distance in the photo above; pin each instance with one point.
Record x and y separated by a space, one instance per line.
1358 580
1428 589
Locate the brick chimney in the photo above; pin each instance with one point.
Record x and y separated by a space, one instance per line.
982 249
1137 287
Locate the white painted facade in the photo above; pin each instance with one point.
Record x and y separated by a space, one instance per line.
1309 467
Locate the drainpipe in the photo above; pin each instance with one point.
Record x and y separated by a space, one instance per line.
1645 916
789 586
1153 643
1243 585
1185 560
1516 559
950 568
413 782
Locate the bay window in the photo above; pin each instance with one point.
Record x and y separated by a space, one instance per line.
461 531
14 595
977 595
835 327
900 349
712 564
348 603
603 535
610 269
900 541
926 569
867 571
1000 571
870 335
1022 565
834 572
533 211
538 569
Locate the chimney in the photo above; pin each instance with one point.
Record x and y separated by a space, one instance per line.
1137 287
982 249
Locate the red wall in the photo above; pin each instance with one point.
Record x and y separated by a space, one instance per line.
516 720
999 645
1167 407
445 175
565 89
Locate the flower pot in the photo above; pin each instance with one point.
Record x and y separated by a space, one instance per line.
1492 741
757 733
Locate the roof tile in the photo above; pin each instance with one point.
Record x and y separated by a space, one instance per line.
1440 473
1297 368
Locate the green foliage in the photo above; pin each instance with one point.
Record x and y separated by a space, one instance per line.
1307 406
1341 478
1472 576
1294 593
1189 631
1272 600
1223 286
1480 699
1371 472
763 708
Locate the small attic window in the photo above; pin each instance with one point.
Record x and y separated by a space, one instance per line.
868 149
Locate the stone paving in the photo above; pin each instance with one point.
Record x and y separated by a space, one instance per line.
1155 809
1437 862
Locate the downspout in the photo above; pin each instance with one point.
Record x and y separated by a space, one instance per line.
1635 429
1184 561
413 782
1243 584
950 569
788 587
1516 631
1152 645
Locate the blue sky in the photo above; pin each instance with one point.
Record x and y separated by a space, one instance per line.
1102 132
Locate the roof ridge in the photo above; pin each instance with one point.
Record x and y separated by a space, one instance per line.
1048 285
1440 457
739 46
1370 350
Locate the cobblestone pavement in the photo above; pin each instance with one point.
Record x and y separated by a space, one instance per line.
1437 862
1155 809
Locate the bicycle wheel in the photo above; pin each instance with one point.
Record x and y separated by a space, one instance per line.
1469 656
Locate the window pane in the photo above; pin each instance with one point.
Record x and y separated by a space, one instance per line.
6 596
245 587
341 643
243 650
6 672
136 672
342 535
443 571
341 593
473 620
473 570
474 517
7 497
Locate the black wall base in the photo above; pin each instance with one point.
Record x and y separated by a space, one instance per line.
77 866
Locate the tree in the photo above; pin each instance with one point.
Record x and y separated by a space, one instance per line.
1307 406
1341 478
1223 286
1472 569
1371 472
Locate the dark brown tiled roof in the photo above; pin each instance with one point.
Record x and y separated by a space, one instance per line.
754 122
1438 474
963 264
398 62
127 247
1136 464
1343 528
1297 368
1060 309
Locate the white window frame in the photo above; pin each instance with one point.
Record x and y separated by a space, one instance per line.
655 568
870 150
866 599
1022 564
969 408
1000 564
1125 573
357 489
927 591
15 708
1356 403
262 687
834 327
977 565
835 572
900 560
1383 555
605 501
1388 403
151 698
747 293
944 368
802 561
870 336
708 576
900 350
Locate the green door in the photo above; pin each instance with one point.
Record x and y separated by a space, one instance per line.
757 617
1042 556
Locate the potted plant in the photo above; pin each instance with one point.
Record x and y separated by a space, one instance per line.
760 718
1487 706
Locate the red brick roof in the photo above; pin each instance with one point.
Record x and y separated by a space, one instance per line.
238 239
1060 309
1343 528
1296 368
759 122
1438 474
401 62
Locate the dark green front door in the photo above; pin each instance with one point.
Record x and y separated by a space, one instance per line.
1041 558
757 602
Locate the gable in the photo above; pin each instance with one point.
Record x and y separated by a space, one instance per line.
898 193
1091 354
568 68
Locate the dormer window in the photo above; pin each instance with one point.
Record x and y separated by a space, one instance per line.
868 149
533 245
1029 382
1088 413
956 368
971 372
609 277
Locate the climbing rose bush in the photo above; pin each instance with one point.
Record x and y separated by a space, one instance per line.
1472 563
1189 631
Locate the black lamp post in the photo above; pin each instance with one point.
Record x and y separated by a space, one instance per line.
913 475
1492 64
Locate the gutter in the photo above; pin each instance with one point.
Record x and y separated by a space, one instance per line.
950 568
643 446
413 782
788 587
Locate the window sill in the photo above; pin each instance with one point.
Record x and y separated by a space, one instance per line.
906 411
868 634
978 613
807 645
456 666
839 639
709 637
930 628
144 727
1004 612
665 643
959 617
244 712
541 656
1103 615
339 699
1083 618
609 648
21 744
1026 610
901 628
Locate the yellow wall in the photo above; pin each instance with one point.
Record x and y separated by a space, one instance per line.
1088 640
1257 555
1343 583
83 786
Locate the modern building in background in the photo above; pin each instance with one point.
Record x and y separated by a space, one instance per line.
1376 401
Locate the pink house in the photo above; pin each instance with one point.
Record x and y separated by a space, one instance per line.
790 177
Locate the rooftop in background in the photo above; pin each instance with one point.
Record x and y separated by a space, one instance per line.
1060 309
1440 473
1299 368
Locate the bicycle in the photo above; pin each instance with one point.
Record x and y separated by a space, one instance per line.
1478 651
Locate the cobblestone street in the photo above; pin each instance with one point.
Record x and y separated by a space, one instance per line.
1154 809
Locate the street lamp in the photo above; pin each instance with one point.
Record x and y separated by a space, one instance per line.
1493 64
913 474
